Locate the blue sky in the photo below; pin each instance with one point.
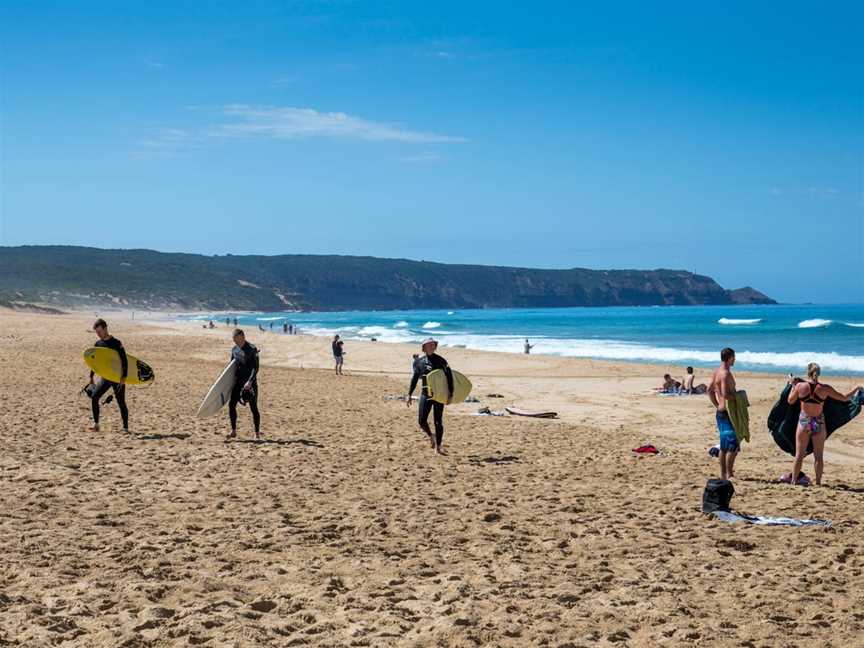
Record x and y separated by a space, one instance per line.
723 138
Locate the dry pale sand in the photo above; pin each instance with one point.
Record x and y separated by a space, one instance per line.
343 529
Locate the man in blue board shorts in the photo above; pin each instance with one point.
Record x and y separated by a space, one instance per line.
721 388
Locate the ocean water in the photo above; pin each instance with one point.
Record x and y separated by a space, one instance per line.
765 338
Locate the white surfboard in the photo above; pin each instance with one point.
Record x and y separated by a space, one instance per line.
219 393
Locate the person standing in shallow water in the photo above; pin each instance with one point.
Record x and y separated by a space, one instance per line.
99 387
245 390
427 362
811 423
721 388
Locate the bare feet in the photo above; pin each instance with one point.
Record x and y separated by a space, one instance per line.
94 428
257 434
440 451
231 435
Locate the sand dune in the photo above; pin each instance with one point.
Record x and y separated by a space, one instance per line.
342 529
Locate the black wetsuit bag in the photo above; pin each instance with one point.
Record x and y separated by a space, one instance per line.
718 493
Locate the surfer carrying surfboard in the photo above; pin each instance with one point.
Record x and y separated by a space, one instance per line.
430 361
108 341
245 389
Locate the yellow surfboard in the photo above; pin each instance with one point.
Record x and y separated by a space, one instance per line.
106 363
436 381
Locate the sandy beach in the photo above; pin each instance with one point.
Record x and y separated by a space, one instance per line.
342 528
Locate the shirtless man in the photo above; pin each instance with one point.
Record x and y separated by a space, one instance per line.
722 385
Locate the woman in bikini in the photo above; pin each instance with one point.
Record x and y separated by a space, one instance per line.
811 424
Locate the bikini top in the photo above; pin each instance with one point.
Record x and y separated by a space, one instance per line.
813 397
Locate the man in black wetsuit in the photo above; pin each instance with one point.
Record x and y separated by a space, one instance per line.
98 389
245 382
427 362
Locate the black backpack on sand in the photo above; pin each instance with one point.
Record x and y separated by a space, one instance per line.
718 493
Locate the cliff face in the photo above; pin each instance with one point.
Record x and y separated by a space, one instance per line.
77 276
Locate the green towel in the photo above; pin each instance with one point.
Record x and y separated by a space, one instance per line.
740 415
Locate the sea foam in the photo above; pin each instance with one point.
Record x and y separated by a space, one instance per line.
738 322
815 323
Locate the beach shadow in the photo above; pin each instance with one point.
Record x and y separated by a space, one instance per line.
845 488
494 460
162 437
279 442
761 480
776 482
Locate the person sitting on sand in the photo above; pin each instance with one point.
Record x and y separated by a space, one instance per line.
811 423
108 341
338 354
689 388
670 385
245 388
423 365
721 388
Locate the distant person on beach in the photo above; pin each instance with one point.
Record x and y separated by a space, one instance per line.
414 357
290 329
423 365
271 326
285 327
235 321
670 385
811 423
721 388
338 354
99 387
245 390
211 325
528 346
227 321
689 388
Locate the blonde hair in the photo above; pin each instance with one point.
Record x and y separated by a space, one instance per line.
813 371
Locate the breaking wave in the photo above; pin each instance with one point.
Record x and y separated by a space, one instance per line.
815 323
738 322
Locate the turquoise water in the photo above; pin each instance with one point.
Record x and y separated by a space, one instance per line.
765 338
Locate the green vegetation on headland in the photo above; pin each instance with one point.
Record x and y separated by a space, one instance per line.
69 276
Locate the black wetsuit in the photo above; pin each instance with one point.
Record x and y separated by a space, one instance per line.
246 371
422 366
102 385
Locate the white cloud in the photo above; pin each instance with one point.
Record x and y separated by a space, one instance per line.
294 123
154 64
286 123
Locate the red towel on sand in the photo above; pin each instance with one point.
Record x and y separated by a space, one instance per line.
646 449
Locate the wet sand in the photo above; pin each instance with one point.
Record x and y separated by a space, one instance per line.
342 528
